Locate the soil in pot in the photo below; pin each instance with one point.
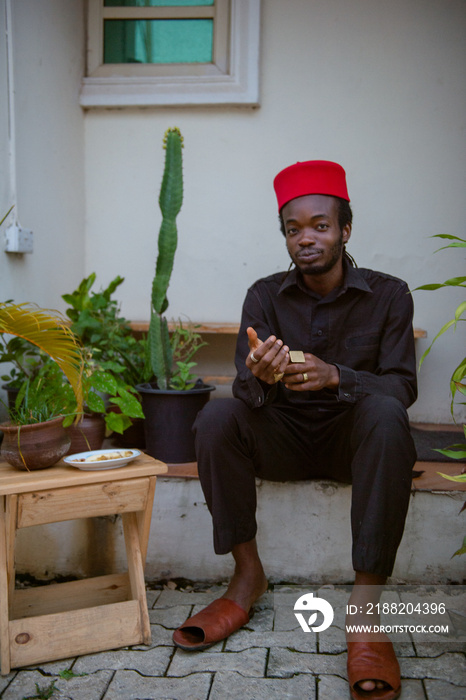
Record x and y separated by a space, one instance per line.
169 418
40 445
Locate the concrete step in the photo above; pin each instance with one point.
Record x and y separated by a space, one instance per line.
304 534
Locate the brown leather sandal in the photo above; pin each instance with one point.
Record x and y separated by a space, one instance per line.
373 660
216 622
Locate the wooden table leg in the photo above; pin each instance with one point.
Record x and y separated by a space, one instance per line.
136 571
10 523
4 602
144 519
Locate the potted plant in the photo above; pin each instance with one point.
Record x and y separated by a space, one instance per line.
26 360
172 400
113 365
35 437
458 377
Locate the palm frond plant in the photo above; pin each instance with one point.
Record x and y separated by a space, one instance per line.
49 332
35 436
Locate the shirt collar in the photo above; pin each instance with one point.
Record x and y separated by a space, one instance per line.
353 279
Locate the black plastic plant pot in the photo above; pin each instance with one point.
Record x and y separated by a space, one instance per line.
12 392
169 417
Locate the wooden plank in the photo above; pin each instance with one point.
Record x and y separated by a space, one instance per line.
87 501
70 595
200 327
65 634
144 519
11 521
431 480
184 470
4 606
136 572
219 379
220 327
61 475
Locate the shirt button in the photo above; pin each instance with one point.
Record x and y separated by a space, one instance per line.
319 332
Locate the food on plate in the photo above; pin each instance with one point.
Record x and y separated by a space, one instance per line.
106 455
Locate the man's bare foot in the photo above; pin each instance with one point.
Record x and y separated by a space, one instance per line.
248 582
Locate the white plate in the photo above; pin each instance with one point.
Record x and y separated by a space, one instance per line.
73 460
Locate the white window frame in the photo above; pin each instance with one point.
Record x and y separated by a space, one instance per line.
232 77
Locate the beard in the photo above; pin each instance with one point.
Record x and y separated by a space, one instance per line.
313 269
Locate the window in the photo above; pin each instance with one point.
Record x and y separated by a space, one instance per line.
169 52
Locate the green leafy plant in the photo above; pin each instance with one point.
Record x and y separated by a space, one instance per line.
458 377
43 398
115 360
49 332
98 382
42 692
104 332
27 360
167 357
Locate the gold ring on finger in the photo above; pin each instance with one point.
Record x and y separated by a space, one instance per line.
278 375
305 377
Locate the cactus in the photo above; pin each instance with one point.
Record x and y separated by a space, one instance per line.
170 200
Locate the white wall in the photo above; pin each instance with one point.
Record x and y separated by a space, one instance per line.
48 60
378 87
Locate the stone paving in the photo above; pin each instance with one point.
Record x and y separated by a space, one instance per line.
270 659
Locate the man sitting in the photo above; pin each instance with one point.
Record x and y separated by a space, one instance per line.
337 410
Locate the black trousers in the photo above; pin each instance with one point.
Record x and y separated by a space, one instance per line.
368 445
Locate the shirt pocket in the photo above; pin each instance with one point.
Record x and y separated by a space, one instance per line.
362 340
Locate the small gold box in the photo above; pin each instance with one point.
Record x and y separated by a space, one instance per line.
297 356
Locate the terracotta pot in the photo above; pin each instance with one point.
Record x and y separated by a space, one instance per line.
88 434
40 445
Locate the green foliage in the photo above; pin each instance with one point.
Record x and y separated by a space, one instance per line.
458 377
115 360
103 331
67 674
461 550
43 398
42 693
98 382
26 358
50 333
184 380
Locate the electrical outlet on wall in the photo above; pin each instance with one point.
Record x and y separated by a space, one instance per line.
18 240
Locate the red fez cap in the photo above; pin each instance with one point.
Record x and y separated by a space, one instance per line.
310 177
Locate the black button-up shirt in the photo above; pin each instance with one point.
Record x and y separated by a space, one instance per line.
363 327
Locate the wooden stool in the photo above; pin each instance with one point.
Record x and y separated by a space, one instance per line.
78 617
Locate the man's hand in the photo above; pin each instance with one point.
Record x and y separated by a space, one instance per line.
311 375
266 358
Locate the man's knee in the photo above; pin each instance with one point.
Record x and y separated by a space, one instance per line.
382 424
383 412
218 418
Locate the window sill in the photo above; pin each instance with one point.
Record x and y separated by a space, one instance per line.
239 85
